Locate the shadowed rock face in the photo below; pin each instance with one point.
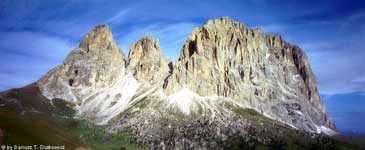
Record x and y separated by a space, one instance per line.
261 71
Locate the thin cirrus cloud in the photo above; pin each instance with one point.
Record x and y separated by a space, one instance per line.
329 31
338 72
119 17
172 36
359 80
35 44
346 110
338 60
26 56
334 48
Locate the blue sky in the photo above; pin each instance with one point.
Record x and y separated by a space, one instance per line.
347 111
35 36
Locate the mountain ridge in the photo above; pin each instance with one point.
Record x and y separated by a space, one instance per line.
220 50
224 71
221 58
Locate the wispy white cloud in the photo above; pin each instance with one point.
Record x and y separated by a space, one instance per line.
171 36
18 70
119 16
336 71
35 44
360 79
362 94
27 56
315 46
16 80
336 56
353 19
49 29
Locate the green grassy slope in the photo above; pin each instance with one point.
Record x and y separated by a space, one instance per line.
40 129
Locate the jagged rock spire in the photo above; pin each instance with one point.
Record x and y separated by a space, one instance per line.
99 38
225 58
97 63
147 61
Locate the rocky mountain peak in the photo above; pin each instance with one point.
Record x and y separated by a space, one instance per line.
96 64
146 43
225 58
99 38
147 61
224 22
222 61
230 82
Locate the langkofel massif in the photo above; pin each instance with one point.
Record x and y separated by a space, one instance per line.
232 87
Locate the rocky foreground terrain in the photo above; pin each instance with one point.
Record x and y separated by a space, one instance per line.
231 88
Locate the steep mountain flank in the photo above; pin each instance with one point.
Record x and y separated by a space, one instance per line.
147 62
256 70
93 77
96 63
231 88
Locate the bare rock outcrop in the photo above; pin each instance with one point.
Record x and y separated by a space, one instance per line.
99 38
260 71
223 62
147 61
231 86
97 63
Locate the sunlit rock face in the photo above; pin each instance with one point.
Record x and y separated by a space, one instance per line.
223 66
96 63
147 61
260 71
93 75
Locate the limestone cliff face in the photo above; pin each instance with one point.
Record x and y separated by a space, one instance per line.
204 101
99 38
94 75
96 63
223 64
226 58
147 61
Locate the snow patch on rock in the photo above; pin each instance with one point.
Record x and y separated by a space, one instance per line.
183 99
328 131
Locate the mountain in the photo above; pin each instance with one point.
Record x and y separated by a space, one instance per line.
146 61
255 70
231 88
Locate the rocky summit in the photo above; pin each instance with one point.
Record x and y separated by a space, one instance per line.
146 61
256 70
231 87
91 76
